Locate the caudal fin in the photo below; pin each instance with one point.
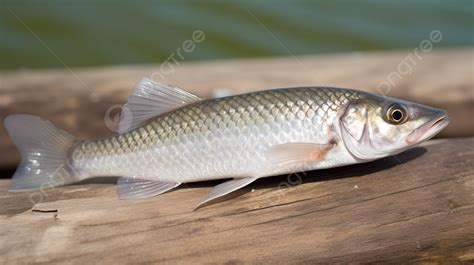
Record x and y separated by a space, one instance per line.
44 153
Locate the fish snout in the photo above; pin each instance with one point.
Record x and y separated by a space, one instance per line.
432 127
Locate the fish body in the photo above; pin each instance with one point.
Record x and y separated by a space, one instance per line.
222 138
169 136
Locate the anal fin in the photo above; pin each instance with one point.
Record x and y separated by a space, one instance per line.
226 188
134 188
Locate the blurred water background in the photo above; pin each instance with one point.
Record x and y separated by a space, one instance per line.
51 34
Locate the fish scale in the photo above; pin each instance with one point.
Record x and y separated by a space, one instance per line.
216 138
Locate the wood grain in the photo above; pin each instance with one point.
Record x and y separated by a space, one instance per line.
415 207
77 100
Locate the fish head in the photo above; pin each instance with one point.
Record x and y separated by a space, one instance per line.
377 126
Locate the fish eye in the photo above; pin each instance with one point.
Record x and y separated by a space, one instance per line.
396 114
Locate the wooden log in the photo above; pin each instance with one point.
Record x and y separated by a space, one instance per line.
78 100
414 207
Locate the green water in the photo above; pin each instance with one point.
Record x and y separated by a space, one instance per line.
51 34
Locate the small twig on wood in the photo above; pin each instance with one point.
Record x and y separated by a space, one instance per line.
55 211
45 211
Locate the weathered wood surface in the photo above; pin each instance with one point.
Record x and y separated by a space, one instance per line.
78 99
415 207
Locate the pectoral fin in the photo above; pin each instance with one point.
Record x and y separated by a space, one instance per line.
294 154
226 188
133 188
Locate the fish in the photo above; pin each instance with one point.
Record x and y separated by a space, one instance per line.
168 136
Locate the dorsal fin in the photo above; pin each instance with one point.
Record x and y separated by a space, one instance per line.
150 99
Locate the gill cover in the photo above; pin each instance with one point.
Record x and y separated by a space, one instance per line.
355 127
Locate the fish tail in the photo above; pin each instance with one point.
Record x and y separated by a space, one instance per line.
45 152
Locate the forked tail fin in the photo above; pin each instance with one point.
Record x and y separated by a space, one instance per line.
44 153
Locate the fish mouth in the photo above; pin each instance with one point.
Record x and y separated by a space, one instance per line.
429 129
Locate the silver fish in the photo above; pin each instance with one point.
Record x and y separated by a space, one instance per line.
168 136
